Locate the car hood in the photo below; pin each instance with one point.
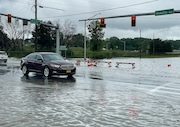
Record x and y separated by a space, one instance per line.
61 62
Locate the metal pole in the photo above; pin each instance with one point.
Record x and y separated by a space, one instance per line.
36 29
57 40
153 44
124 46
85 40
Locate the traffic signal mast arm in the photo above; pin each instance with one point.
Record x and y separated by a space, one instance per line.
49 25
14 17
123 16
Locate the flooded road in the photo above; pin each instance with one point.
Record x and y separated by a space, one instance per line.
106 95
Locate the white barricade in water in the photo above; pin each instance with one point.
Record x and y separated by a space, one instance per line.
118 63
96 63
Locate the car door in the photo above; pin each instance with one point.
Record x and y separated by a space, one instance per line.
30 62
38 63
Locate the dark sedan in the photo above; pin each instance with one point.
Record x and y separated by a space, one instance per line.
47 63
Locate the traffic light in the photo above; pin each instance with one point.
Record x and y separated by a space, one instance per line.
133 21
25 22
102 20
9 18
102 23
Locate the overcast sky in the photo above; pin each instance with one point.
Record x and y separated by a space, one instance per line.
163 27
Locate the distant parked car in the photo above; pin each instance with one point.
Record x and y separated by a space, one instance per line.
3 56
47 63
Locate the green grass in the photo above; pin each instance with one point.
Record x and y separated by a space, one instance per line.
77 52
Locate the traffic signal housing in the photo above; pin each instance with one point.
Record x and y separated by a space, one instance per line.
102 23
102 20
9 18
133 21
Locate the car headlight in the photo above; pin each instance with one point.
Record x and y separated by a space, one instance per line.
55 65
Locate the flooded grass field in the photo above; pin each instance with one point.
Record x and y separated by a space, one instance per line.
144 94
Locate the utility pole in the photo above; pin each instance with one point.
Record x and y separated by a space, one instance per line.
57 40
85 23
85 40
36 29
140 46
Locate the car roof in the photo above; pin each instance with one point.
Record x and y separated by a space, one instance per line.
43 53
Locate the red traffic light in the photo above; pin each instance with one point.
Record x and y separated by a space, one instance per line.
133 17
133 21
9 18
102 20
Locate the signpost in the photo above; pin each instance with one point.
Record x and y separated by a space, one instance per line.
164 12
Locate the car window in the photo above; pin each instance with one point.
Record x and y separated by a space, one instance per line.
31 56
38 57
52 57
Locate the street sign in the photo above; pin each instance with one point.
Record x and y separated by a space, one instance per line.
164 12
63 47
37 22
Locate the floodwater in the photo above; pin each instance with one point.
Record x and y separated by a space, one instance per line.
145 94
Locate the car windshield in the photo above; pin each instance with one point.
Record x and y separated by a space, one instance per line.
52 57
3 53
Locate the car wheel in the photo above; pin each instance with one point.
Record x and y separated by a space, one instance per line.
25 70
46 72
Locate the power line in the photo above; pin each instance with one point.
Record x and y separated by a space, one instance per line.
41 6
127 6
84 13
21 2
103 10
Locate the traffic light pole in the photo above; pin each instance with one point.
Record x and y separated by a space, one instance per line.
48 25
85 40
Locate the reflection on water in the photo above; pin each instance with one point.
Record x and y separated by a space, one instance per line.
40 80
7 67
95 74
3 69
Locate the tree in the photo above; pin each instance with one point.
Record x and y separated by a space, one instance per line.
115 43
67 31
158 47
15 32
96 36
77 40
175 44
4 40
46 37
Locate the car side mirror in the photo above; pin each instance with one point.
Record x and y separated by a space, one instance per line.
40 59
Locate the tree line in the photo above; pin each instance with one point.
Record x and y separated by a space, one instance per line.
95 40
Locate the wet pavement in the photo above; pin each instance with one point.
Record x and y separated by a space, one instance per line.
97 96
